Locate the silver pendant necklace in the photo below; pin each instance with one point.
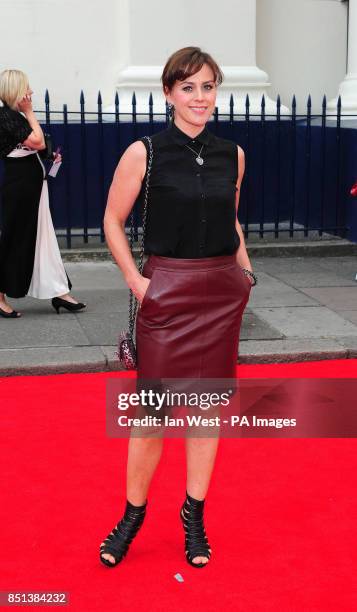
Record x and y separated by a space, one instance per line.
199 159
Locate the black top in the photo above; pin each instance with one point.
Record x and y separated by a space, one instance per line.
191 207
14 129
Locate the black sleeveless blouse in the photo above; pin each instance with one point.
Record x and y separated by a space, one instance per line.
191 207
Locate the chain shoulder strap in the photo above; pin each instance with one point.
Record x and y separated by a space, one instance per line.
133 302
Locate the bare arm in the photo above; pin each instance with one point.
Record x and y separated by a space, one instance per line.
36 139
123 192
242 255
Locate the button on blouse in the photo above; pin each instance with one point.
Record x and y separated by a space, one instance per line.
191 207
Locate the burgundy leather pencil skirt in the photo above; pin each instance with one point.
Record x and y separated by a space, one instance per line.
188 325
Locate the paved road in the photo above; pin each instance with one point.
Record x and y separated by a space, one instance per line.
304 308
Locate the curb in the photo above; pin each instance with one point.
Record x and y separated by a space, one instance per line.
108 364
326 248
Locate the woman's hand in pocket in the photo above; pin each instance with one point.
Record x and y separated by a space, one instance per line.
141 288
250 280
247 278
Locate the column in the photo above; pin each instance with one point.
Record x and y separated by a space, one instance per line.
227 31
348 87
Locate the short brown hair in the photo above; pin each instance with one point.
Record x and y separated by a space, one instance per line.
186 62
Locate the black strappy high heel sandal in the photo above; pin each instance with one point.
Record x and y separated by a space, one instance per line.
118 541
196 542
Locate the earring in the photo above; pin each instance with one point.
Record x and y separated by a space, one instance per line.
170 111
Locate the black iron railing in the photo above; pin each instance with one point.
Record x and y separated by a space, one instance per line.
299 167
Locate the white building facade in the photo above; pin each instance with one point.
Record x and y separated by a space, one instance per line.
265 47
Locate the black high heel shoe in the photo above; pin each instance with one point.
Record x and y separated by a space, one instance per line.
196 542
9 315
58 303
118 541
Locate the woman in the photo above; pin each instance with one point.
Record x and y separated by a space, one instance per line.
189 320
30 260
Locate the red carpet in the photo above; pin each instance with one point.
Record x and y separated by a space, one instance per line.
281 514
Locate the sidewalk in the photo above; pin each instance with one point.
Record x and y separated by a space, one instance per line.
304 308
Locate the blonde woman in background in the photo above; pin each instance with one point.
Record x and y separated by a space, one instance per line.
30 260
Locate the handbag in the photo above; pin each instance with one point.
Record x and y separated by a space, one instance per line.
126 344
